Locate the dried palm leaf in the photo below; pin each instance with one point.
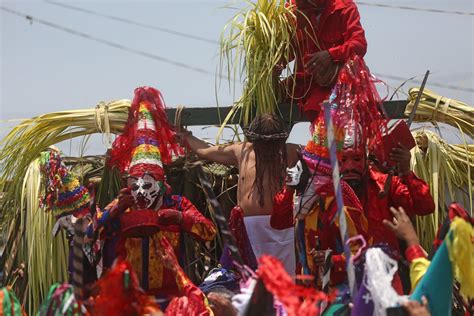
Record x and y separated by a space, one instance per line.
435 108
448 169
28 139
253 43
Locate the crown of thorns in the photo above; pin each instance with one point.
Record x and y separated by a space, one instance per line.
252 136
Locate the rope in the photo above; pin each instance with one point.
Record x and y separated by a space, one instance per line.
178 118
102 123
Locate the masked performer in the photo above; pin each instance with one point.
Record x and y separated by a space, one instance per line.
144 211
315 209
356 105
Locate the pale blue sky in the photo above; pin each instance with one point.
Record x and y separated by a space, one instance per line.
45 70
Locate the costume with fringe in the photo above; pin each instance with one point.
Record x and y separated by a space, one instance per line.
140 152
161 281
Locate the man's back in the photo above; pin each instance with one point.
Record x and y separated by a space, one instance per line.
247 195
249 221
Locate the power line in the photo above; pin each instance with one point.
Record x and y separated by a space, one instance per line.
435 84
389 6
132 22
172 62
111 44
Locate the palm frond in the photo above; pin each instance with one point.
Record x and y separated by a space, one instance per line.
253 43
27 140
436 108
30 246
448 171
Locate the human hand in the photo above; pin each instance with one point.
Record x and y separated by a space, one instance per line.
402 156
303 203
319 257
318 63
277 70
415 308
402 227
169 216
220 304
125 201
181 135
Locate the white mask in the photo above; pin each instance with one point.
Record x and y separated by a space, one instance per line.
146 191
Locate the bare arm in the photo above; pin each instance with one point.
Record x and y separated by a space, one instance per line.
224 154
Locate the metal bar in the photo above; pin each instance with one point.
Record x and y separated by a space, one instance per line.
418 98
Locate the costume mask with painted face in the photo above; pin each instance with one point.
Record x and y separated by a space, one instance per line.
146 191
353 164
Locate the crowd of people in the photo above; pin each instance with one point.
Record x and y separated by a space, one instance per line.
287 208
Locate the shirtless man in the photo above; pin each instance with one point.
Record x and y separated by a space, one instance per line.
262 162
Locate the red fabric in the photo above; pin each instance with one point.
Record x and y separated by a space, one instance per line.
124 144
456 210
423 203
327 232
154 170
282 213
296 299
194 223
414 252
329 236
339 31
238 230
338 269
408 191
359 106
120 293
192 300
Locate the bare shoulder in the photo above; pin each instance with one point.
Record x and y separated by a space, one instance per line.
235 147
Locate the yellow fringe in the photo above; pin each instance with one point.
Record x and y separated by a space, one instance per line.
461 254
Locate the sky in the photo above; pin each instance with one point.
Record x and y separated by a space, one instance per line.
44 69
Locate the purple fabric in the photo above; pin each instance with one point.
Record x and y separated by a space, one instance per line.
363 304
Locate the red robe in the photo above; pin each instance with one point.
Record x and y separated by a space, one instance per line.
409 192
320 223
161 280
339 32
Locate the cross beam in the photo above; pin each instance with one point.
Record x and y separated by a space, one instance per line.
210 116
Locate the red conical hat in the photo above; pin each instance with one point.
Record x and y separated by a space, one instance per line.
148 139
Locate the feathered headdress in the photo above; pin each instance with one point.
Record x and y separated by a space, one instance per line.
148 140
